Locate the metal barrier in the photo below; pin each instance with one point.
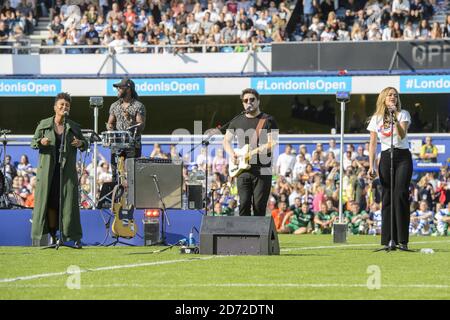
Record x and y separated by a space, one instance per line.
130 49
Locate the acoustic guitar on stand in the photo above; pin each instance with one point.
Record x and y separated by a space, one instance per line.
235 168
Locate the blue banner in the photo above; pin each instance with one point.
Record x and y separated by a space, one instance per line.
29 87
164 87
425 84
301 85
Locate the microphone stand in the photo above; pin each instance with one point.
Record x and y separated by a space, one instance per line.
205 142
164 215
134 129
60 241
392 245
4 197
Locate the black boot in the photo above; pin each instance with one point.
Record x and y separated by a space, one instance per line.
53 238
78 244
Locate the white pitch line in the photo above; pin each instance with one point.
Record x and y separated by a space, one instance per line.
358 245
241 285
146 264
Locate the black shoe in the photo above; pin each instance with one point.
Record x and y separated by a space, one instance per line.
403 247
78 244
53 240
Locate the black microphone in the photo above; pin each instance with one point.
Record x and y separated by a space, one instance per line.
66 113
392 108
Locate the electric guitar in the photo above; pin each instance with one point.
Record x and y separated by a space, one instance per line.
123 224
244 155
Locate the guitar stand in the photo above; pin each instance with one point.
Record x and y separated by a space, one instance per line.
116 241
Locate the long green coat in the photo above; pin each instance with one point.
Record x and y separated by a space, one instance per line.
47 161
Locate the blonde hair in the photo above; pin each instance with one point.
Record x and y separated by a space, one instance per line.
381 108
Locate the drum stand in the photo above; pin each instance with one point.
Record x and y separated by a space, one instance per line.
5 187
92 137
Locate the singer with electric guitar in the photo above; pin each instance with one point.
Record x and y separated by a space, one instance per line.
47 139
251 164
390 124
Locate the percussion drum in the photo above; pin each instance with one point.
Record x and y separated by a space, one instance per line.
117 139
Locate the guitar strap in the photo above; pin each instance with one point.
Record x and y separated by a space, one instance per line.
260 125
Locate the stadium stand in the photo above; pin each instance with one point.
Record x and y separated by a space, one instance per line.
235 24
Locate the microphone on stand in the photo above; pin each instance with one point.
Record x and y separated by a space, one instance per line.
392 109
66 113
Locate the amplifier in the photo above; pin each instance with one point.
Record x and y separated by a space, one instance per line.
195 196
151 233
145 176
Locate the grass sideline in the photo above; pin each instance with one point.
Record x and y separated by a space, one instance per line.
309 267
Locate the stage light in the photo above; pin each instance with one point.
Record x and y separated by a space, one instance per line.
151 227
152 213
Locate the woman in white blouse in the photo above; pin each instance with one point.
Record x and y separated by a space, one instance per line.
389 107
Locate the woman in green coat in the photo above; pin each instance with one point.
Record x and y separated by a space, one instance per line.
47 140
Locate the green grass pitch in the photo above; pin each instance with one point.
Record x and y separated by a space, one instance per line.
308 267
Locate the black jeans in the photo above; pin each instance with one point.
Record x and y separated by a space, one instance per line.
403 168
254 190
133 153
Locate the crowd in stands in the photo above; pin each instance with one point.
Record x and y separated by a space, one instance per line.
127 26
305 188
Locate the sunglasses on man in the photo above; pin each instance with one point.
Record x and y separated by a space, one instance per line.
247 100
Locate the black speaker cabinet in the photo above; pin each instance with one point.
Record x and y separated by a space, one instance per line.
142 191
238 236
151 233
195 196
105 195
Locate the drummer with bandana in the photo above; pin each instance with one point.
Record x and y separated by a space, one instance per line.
126 114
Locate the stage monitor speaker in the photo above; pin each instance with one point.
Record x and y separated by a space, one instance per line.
195 196
142 191
238 236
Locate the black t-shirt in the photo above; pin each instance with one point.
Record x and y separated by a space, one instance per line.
244 129
56 28
92 35
3 33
